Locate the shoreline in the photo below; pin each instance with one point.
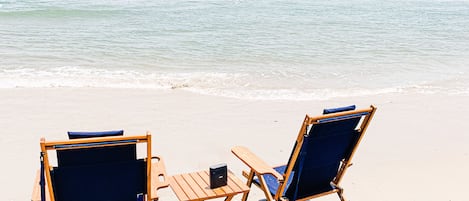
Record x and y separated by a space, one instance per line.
415 147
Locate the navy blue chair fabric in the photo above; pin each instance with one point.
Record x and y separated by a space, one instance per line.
121 181
96 155
99 173
77 135
321 154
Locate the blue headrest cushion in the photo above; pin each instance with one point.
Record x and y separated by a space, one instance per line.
77 135
339 109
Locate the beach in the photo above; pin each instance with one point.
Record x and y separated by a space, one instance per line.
415 148
204 76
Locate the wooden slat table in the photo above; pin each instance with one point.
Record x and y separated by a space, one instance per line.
196 186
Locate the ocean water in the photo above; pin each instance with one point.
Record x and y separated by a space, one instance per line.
250 49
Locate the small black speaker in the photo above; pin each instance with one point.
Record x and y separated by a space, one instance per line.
218 175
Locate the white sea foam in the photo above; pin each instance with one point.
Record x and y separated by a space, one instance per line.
91 77
234 85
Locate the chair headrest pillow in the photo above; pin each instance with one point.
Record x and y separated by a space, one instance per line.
339 109
77 135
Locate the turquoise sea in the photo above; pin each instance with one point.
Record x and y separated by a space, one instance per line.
250 49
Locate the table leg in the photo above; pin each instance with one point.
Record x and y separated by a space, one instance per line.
228 198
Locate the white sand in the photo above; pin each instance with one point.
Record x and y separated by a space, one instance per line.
416 148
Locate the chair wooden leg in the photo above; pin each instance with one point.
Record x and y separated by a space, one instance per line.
250 178
341 195
265 188
340 191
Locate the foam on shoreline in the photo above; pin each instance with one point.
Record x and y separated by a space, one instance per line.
242 85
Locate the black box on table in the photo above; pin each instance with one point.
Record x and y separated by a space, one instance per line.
218 175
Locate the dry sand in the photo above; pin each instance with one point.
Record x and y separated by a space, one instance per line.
416 148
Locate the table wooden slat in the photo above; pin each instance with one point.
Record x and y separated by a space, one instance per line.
194 186
240 184
177 189
234 187
198 177
185 187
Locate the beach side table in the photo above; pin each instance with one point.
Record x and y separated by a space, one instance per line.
196 186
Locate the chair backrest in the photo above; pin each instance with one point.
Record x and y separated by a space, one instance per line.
96 155
324 146
101 168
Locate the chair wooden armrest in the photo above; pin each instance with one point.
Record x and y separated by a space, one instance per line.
254 162
159 177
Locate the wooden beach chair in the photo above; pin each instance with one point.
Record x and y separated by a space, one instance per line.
321 155
99 166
